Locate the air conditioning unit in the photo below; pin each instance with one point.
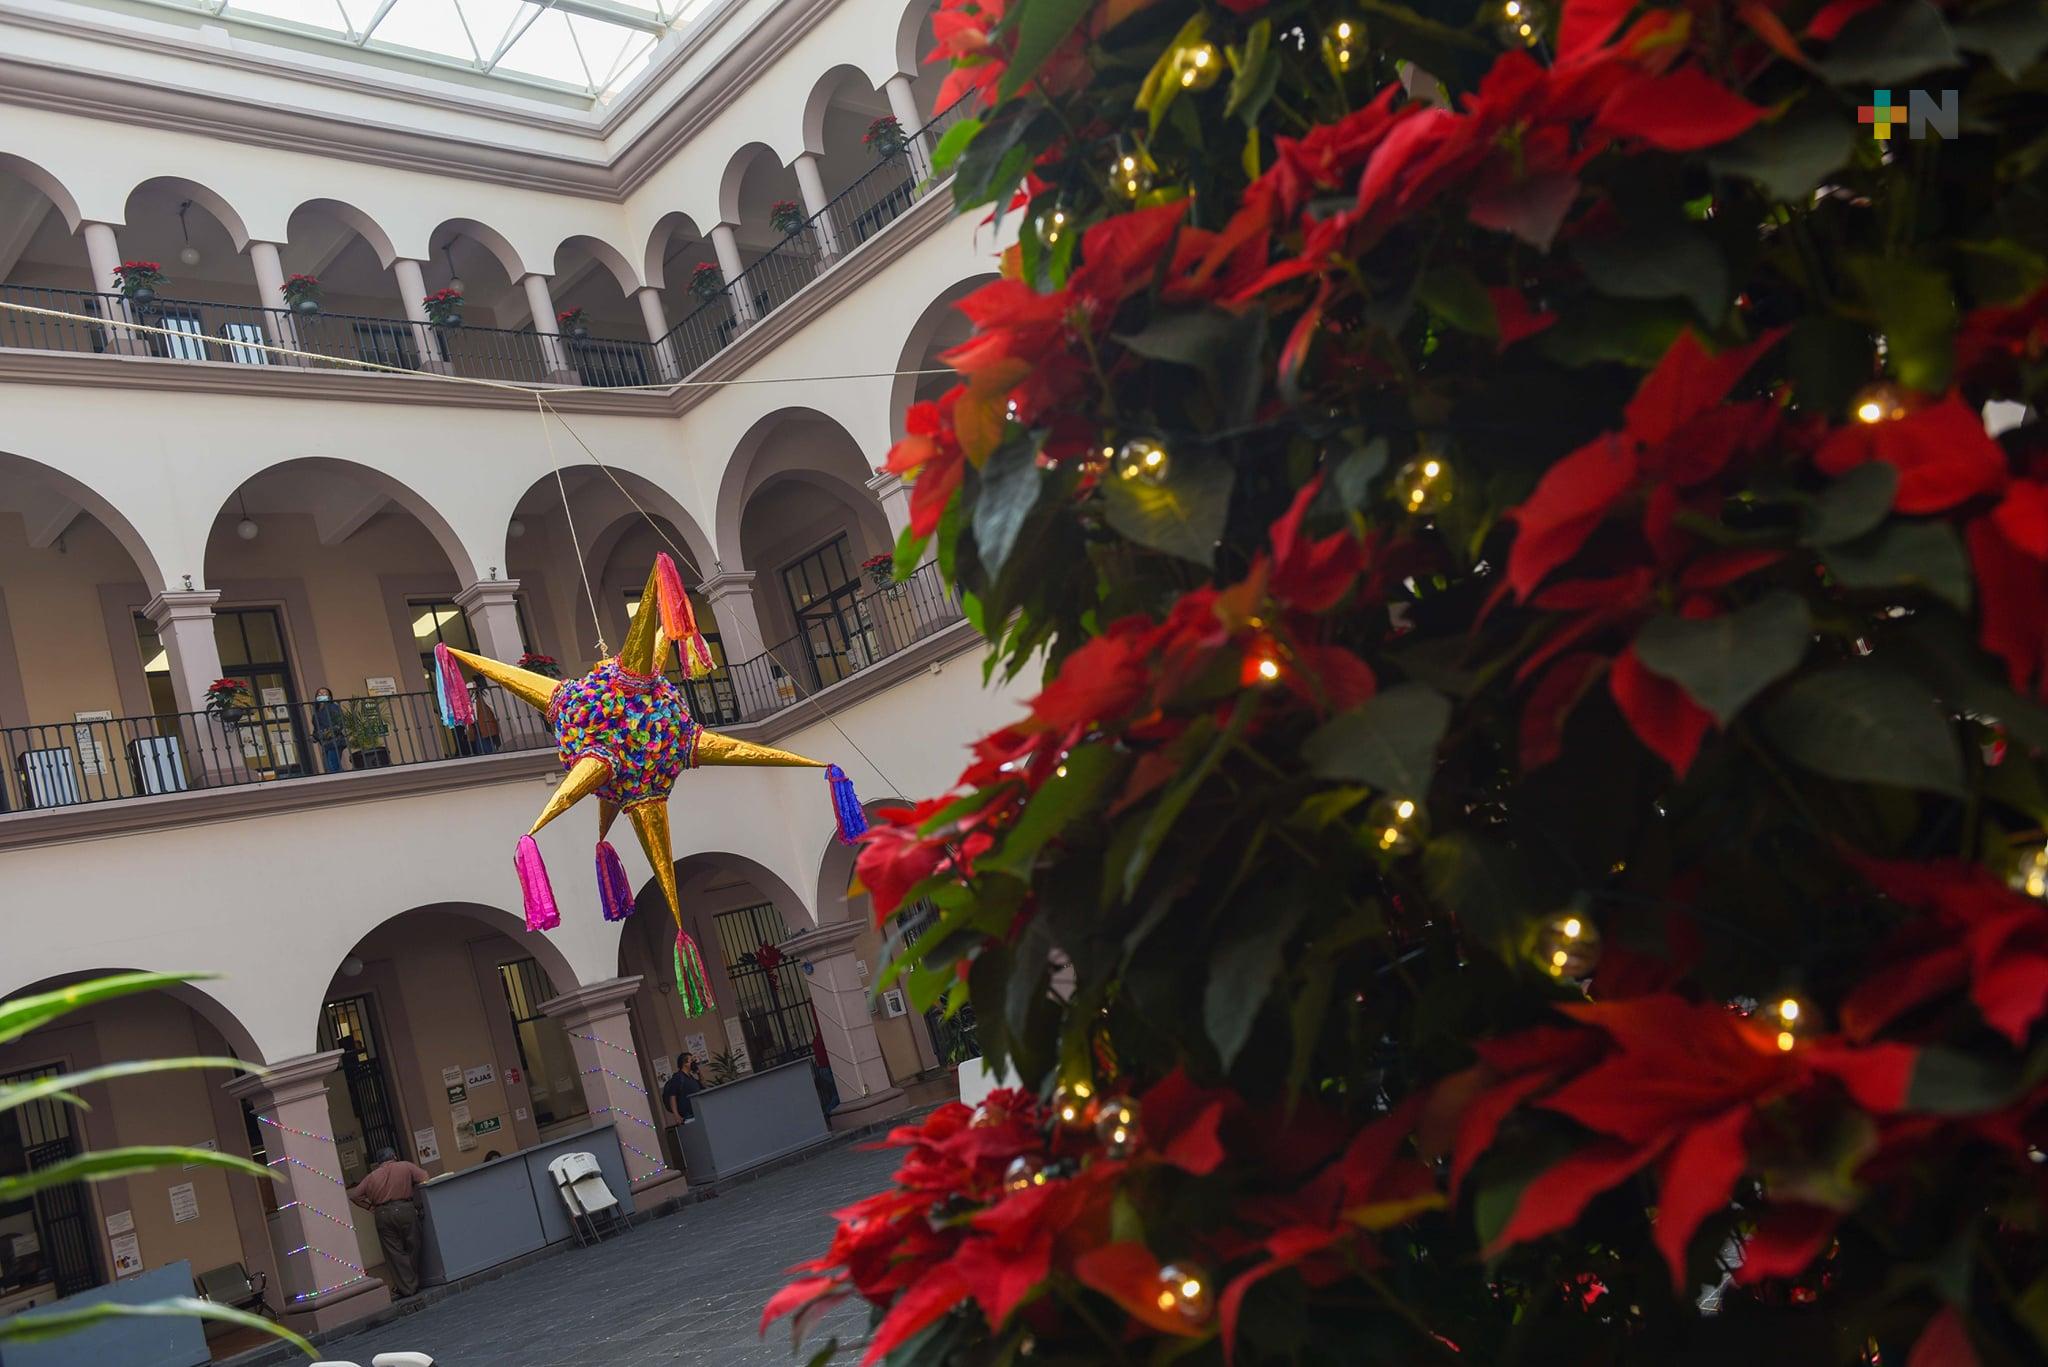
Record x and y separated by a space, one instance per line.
48 778
893 1004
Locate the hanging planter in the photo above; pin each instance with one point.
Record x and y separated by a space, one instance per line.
444 308
302 294
228 700
787 217
707 282
138 280
536 663
880 569
885 137
571 323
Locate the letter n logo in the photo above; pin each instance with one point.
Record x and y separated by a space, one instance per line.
1922 113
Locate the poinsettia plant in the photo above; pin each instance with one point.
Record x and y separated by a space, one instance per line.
1535 532
138 277
444 307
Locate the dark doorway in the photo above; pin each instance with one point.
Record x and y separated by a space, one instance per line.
46 1240
774 1003
347 1025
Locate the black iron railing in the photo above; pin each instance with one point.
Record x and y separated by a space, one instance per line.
846 637
69 763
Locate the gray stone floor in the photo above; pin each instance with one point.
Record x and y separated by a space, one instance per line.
685 1289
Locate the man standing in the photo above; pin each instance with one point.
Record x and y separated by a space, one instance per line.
682 1084
388 1194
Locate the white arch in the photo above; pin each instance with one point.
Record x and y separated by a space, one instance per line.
103 510
936 315
745 475
52 189
206 198
490 239
910 29
365 226
605 254
819 103
736 167
460 556
658 238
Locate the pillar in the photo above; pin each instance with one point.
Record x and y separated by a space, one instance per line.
412 292
492 606
812 183
656 319
894 495
601 1034
903 104
728 248
321 1252
730 596
184 622
103 253
554 356
841 999
277 318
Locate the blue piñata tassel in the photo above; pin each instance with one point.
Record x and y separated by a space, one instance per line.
852 817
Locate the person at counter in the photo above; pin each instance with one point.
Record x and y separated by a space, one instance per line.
390 1194
684 1083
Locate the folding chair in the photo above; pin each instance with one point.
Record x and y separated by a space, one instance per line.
593 1210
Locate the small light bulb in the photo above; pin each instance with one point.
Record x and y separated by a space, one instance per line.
1198 66
1568 946
1143 460
1341 43
1269 669
1024 1172
1788 1010
1060 772
1424 485
2030 874
1129 177
1398 825
1519 22
1791 1020
1116 1125
1051 225
1878 403
1184 1290
1070 1102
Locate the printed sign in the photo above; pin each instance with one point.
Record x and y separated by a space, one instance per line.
184 1204
211 1146
512 1076
427 1144
127 1255
92 756
479 1075
736 1040
457 1093
459 1116
451 1076
488 1125
696 1045
381 686
120 1222
519 1114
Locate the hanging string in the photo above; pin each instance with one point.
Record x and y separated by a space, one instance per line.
575 542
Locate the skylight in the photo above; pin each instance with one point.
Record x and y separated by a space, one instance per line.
594 47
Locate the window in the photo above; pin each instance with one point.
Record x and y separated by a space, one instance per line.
553 1079
248 333
387 344
774 1004
438 621
367 1121
823 589
188 346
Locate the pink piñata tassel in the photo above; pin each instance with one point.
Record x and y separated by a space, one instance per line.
534 890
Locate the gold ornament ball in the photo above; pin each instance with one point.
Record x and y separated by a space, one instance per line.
1116 1125
2030 873
1129 177
1789 1019
1344 43
1568 946
1877 403
1521 22
1070 1103
1024 1172
1197 66
1398 825
1052 225
1143 460
1424 485
1184 1290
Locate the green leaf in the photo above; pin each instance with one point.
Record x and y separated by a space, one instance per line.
825 1354
1243 972
1674 262
1867 724
34 1326
1888 44
952 143
1044 26
1175 799
1635 332
42 1088
1928 554
1388 741
2013 35
98 1167
1454 294
1791 155
1307 1014
1182 516
1258 76
1481 883
1199 338
1944 652
1054 807
1949 1082
1725 661
1353 476
1852 505
23 1014
909 550
1916 310
1011 482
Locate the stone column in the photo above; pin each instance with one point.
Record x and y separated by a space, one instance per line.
728 248
103 252
730 596
601 1034
277 318
314 1230
554 356
825 954
903 104
812 183
656 318
412 292
894 495
184 622
493 610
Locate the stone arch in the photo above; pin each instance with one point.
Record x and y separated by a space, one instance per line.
202 1004
820 101
736 168
835 866
365 226
88 499
210 200
658 238
932 333
52 189
490 239
605 254
911 27
739 482
390 487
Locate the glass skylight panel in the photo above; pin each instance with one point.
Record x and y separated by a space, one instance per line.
548 50
360 14
320 14
426 26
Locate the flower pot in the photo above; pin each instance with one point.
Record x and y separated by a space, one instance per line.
580 332
233 716
377 758
141 294
309 307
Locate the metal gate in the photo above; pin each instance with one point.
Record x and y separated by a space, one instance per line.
954 1041
346 1025
774 1003
64 1223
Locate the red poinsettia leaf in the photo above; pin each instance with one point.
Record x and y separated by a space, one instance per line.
1718 569
1555 1198
796 1296
1680 112
1331 677
1661 713
1688 382
1945 1342
2012 604
1831 17
1128 1274
1002 1276
1532 207
1550 706
1899 987
1483 1118
2023 517
1941 452
1694 1181
2009 972
1287 1247
1676 1065
922 1303
1764 22
1515 317
1586 25
1567 504
1198 1148
1787 1238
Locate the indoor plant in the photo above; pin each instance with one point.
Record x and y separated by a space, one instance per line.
885 137
363 729
880 569
707 282
538 663
444 308
302 294
138 281
1543 677
229 700
787 217
571 323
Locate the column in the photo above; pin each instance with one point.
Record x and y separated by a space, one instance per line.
317 1242
656 318
812 184
894 495
184 622
601 1034
103 253
276 315
553 355
412 292
841 999
492 606
728 248
903 104
730 596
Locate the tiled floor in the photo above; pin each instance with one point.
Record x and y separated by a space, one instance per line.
686 1289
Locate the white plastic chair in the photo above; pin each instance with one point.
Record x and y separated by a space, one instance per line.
386 1360
585 1192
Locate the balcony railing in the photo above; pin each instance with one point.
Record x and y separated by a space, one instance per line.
108 760
841 637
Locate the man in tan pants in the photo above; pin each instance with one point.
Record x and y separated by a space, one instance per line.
387 1193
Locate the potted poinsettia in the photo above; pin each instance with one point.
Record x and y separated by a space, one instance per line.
228 700
885 137
538 663
880 569
444 308
787 217
572 323
707 282
138 280
302 294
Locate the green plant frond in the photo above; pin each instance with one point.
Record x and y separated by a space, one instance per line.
38 1325
98 1167
60 1087
23 1014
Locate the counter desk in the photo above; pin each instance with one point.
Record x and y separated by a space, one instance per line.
508 1207
755 1119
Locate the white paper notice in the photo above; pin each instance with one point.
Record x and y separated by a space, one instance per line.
479 1075
458 1116
184 1204
451 1076
92 756
211 1146
427 1145
120 1222
127 1255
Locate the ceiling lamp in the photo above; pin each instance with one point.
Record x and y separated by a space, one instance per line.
188 253
246 528
515 529
454 280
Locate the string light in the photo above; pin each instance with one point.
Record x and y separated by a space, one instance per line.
1878 403
600 1039
1051 224
1144 461
1341 44
1070 1102
2030 875
1793 1019
1424 485
1024 1172
660 1164
1568 946
1198 66
1117 1127
1129 177
1398 824
1184 1289
1519 20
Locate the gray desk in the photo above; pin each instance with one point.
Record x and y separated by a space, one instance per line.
151 1342
757 1119
508 1207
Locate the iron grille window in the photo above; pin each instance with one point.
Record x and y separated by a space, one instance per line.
774 1004
387 344
248 338
346 1024
551 1071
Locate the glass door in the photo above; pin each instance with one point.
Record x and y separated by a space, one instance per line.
438 621
553 1079
252 648
824 596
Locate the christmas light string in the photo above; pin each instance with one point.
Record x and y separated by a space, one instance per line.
660 1165
600 1039
303 1204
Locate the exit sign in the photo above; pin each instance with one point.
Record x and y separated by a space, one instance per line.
487 1126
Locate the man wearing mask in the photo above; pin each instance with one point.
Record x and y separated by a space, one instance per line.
388 1193
327 730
